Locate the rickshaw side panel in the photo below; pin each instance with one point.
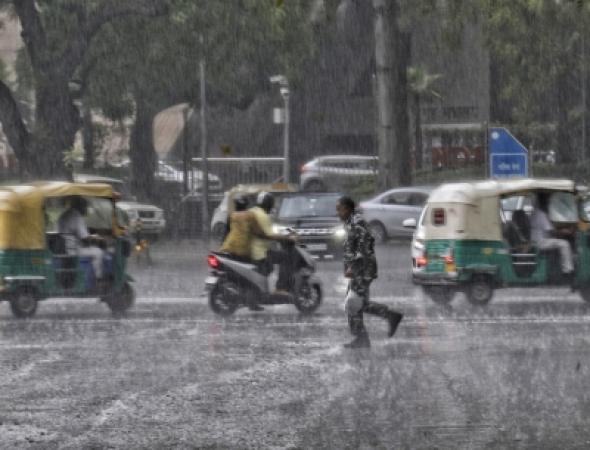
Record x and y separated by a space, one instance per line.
471 257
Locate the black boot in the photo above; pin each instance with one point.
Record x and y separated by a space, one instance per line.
394 318
362 341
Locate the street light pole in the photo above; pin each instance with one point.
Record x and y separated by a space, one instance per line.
283 83
204 152
286 167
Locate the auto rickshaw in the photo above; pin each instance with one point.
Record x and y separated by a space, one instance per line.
34 262
468 245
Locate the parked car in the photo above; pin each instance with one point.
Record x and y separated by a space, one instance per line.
386 212
250 191
170 173
333 173
312 216
149 217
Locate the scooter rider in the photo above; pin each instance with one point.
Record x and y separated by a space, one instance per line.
261 252
241 229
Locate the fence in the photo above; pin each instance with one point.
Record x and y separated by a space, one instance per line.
224 173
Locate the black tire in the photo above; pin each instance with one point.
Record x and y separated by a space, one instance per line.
442 295
218 231
219 303
120 302
23 303
480 290
309 299
378 231
314 186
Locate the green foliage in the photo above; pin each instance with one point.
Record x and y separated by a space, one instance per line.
242 42
539 55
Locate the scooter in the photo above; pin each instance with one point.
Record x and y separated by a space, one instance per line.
233 284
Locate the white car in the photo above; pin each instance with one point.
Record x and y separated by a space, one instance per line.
171 174
336 172
149 217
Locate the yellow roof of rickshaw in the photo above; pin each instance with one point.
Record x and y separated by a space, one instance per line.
22 223
472 192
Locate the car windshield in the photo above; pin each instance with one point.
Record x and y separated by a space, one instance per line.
308 206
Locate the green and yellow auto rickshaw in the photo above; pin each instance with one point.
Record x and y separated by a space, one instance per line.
34 261
468 238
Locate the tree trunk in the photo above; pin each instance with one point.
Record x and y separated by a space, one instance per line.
565 147
13 126
384 19
392 59
57 121
88 138
402 142
142 152
417 132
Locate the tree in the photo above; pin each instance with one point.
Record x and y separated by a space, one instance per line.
392 56
539 57
142 65
57 35
421 86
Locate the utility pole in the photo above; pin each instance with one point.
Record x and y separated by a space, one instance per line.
204 152
285 117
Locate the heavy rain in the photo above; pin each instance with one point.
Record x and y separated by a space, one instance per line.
294 224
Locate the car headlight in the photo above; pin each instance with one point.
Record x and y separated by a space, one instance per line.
340 232
280 229
133 214
419 245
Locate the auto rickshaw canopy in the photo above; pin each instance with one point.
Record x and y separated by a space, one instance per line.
471 209
22 219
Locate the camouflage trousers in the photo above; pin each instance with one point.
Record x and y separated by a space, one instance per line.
355 321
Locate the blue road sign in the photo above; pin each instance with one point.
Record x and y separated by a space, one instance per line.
508 157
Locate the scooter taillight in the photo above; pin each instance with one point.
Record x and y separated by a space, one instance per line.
213 261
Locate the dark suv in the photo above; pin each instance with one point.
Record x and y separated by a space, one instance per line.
312 216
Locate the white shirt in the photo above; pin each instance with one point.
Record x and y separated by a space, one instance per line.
541 226
72 226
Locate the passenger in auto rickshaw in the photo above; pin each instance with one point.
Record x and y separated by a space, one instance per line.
78 240
546 237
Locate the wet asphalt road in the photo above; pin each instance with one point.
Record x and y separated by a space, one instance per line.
514 374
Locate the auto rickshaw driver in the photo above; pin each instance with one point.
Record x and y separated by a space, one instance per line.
78 240
546 237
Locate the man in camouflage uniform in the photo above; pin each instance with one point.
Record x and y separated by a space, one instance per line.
360 265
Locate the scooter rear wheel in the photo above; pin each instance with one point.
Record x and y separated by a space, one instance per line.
308 299
220 303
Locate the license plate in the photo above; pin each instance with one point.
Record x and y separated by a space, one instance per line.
316 247
211 280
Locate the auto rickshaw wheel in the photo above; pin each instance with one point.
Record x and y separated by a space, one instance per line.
24 302
442 295
480 290
120 302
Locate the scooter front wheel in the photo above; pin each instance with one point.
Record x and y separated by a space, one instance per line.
220 303
308 299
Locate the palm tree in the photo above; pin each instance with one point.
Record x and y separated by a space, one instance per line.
421 86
